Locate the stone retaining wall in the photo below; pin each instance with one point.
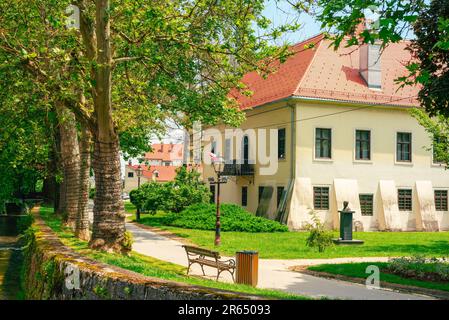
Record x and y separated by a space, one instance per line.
48 263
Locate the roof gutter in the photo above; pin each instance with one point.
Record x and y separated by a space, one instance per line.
304 98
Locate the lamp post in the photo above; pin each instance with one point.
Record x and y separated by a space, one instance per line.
218 164
139 171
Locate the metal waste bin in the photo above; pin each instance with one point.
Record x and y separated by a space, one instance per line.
247 267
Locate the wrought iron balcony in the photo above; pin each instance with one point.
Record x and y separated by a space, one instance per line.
236 169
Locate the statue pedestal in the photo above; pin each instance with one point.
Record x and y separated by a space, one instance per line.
352 241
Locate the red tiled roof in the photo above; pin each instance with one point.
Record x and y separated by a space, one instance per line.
323 73
165 152
283 82
166 173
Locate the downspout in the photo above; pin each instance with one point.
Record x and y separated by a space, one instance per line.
286 210
292 141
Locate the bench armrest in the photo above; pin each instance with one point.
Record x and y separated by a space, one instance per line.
231 262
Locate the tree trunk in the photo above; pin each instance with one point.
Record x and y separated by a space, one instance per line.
70 159
109 218
82 221
59 204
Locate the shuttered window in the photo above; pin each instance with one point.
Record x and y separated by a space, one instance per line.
366 204
405 199
321 198
440 200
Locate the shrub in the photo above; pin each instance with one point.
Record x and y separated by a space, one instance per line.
318 237
420 267
128 241
172 196
232 217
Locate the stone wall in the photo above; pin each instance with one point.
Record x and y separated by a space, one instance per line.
48 263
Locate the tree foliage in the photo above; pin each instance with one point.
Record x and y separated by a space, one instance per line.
27 124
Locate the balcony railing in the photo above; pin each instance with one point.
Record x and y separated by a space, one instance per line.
235 169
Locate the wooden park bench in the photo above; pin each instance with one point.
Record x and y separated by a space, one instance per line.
209 258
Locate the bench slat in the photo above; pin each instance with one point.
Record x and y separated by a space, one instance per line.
211 263
196 250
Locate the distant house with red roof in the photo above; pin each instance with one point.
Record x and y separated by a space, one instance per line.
159 165
344 133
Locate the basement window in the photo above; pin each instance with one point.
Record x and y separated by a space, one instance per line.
405 199
366 204
440 200
321 198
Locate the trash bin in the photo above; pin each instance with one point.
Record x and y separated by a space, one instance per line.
247 267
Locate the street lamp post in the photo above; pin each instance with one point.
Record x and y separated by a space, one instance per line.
218 164
139 171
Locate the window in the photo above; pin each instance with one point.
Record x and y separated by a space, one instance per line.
244 196
156 174
440 200
323 143
321 198
213 146
439 149
279 191
281 143
366 204
404 147
362 145
130 174
261 189
405 199
212 191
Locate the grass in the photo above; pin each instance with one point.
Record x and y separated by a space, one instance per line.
149 266
357 270
129 207
291 245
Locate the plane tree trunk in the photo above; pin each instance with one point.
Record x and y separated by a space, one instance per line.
82 221
70 160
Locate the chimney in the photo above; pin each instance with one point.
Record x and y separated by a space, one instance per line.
370 63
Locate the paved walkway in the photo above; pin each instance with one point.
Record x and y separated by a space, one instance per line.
273 274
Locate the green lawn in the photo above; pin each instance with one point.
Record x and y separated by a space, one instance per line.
129 207
357 270
149 266
291 245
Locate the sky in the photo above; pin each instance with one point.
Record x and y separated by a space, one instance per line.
281 13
